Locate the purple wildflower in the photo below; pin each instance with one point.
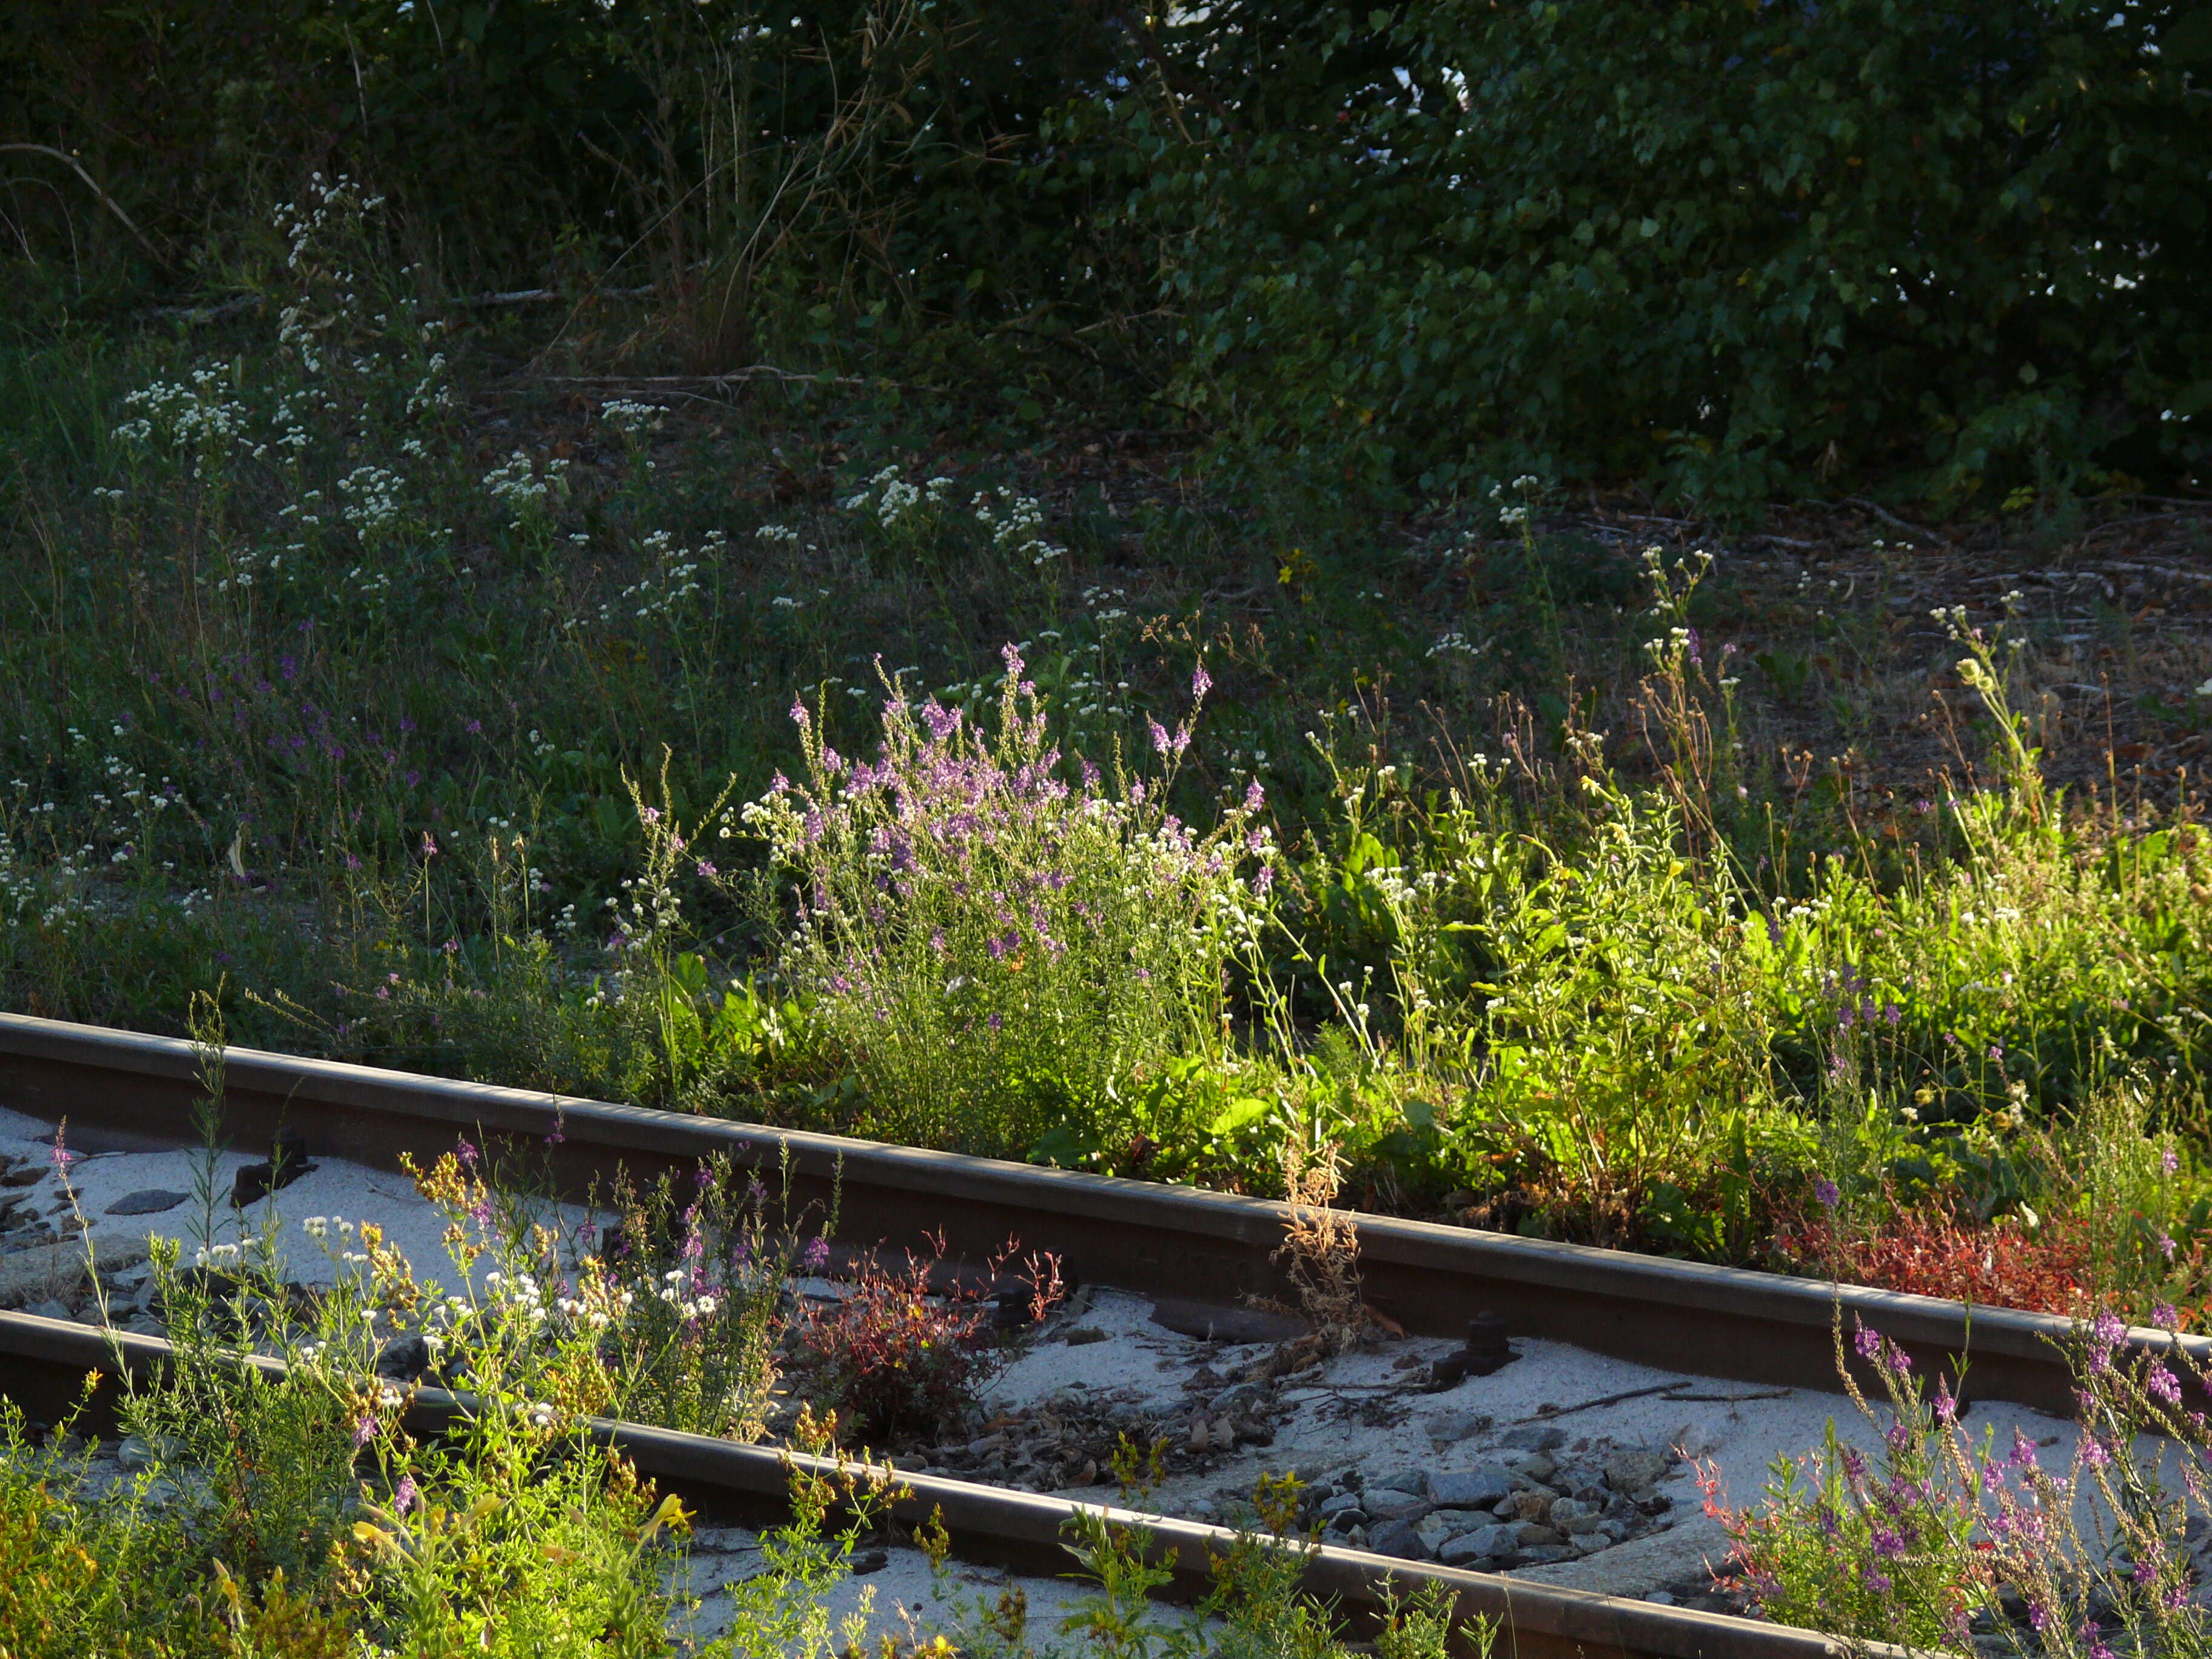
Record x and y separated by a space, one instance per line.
817 1255
1825 1190
467 1153
404 1495
1200 681
2168 1161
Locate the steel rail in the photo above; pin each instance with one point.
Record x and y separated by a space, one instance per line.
44 1363
124 1088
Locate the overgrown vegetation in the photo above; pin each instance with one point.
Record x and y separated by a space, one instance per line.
275 1489
1939 1540
448 736
976 718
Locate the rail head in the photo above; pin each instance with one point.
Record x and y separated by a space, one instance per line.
48 1359
1414 1255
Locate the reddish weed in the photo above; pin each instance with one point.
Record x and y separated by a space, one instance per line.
907 1351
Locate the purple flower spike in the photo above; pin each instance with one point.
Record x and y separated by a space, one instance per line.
1825 1190
1200 681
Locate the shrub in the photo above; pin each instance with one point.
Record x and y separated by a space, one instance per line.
1742 248
997 949
902 1354
1934 1536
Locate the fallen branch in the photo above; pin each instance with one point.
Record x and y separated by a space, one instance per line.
712 382
106 200
1888 517
2167 571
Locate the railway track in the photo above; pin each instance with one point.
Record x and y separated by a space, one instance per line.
126 1092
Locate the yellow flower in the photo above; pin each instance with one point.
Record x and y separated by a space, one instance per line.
670 1514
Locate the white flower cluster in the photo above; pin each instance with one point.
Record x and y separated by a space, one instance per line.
673 584
432 391
1528 486
636 421
1016 526
671 1291
197 415
523 490
337 198
1107 605
519 1294
897 504
119 814
777 534
372 499
594 1315
1457 644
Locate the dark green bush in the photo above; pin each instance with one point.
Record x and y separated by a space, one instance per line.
1744 248
1737 249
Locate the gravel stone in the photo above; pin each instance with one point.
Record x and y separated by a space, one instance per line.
1391 1503
1534 1504
1437 1528
1398 1538
1633 1468
1450 1428
151 1201
1470 1489
1483 1544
